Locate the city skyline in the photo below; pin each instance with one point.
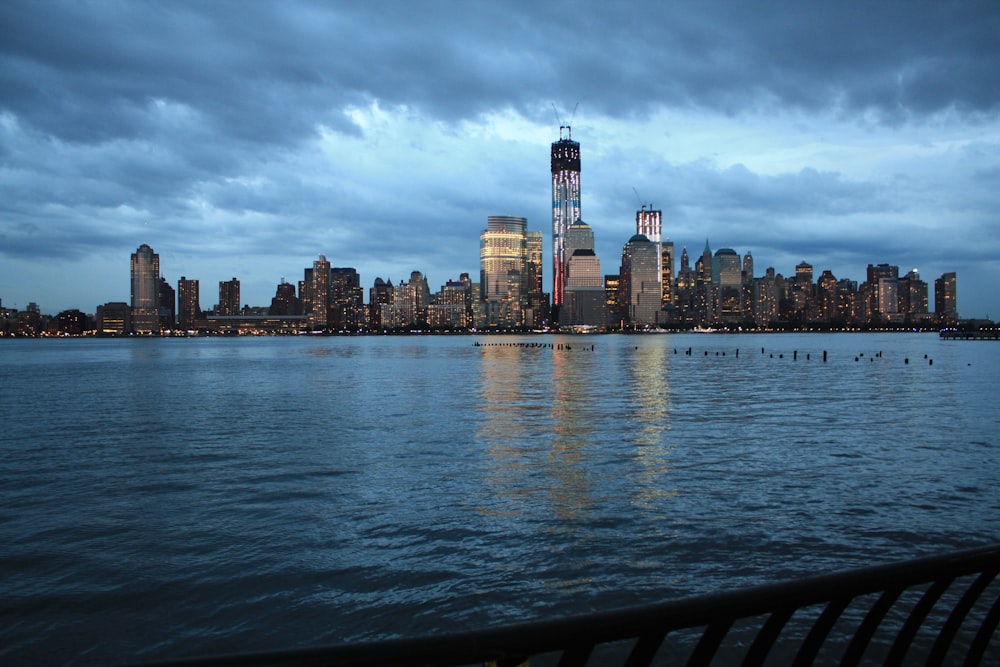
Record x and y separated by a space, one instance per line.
839 135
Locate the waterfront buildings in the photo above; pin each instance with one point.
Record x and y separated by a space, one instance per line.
585 304
945 292
315 293
145 315
229 298
510 274
188 304
565 167
640 281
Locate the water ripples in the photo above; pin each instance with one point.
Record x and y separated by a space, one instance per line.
168 498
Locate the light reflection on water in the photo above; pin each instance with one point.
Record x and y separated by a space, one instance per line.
161 498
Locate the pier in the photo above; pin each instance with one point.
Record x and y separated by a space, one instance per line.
971 335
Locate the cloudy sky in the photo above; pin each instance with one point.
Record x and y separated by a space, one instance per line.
246 138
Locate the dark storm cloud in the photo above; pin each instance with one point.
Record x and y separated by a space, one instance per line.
232 129
266 73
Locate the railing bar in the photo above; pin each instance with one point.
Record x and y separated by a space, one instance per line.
820 629
533 638
916 618
982 640
868 626
645 649
709 642
576 656
764 640
958 614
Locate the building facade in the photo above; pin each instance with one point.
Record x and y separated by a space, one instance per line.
565 167
145 291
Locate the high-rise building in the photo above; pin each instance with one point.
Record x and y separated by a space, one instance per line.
579 236
881 296
229 297
145 291
640 275
945 298
380 304
585 297
614 299
726 274
667 272
189 306
168 305
804 274
317 297
826 297
747 289
503 270
537 313
584 302
346 302
284 302
649 223
565 163
913 296
450 309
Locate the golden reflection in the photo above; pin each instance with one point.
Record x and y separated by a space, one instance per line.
572 415
647 396
535 427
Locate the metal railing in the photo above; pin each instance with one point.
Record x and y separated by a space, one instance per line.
937 610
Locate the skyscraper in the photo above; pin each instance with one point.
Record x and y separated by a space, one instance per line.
727 275
640 275
584 298
945 297
346 302
649 223
317 298
229 297
538 301
565 165
284 302
667 272
503 269
189 309
167 305
145 291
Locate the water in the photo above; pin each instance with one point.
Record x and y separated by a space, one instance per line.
163 498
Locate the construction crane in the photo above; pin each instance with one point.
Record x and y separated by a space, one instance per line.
565 126
642 204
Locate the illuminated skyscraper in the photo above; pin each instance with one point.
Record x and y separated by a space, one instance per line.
317 298
503 269
229 297
537 313
579 236
346 301
189 308
945 297
380 304
727 275
284 302
565 206
584 303
145 291
649 223
640 276
667 272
